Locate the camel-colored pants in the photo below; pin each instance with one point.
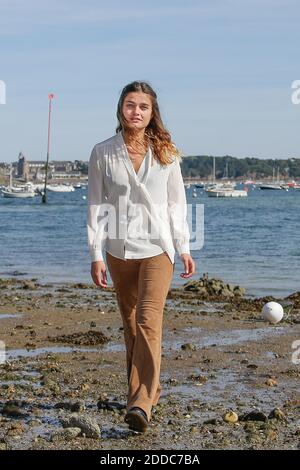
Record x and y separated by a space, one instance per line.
141 287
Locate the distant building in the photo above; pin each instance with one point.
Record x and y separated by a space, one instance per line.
63 166
34 170
4 167
22 167
63 175
37 164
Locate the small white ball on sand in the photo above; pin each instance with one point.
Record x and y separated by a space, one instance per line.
272 312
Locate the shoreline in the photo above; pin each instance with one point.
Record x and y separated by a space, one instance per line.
218 355
177 283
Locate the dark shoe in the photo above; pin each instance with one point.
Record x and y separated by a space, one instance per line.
137 420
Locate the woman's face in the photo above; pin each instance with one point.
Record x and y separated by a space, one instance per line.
137 110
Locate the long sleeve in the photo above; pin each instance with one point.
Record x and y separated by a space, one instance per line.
95 199
177 209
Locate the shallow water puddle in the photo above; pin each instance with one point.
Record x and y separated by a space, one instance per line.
10 315
16 353
231 388
201 338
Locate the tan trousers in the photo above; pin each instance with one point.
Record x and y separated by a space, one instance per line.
141 287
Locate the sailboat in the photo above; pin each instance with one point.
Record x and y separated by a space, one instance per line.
273 185
224 189
60 188
226 192
22 192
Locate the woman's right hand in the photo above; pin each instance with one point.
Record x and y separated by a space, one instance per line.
98 273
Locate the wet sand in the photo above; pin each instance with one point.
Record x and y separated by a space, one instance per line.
65 353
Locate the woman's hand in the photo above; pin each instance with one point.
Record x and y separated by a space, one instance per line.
189 265
98 273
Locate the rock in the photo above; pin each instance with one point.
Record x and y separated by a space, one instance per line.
188 346
254 415
294 299
239 291
193 286
110 405
272 434
81 285
19 425
252 366
16 429
271 382
89 338
29 285
198 378
67 434
12 409
51 385
88 425
206 287
193 429
226 293
277 414
35 422
250 428
230 417
172 381
93 324
213 421
73 407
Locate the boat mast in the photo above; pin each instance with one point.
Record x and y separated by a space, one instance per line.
44 197
10 176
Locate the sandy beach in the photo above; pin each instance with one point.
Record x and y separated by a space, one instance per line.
228 378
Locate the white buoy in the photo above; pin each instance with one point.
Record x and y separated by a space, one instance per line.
272 312
83 197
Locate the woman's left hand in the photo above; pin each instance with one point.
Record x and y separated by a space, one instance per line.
189 265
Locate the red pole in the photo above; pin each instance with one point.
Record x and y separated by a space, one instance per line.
50 96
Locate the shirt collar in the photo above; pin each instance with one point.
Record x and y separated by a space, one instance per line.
128 164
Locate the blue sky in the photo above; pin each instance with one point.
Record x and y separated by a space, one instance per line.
222 70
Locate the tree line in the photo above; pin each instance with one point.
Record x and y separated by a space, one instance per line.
231 167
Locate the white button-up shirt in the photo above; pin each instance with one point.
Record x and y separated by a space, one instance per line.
134 215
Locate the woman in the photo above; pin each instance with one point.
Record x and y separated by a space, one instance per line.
135 179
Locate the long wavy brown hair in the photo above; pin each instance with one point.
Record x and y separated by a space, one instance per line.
156 135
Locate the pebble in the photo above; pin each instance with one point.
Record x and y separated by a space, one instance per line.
271 382
68 434
230 417
88 425
254 415
188 346
277 414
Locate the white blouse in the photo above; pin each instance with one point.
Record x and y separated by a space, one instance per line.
134 215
